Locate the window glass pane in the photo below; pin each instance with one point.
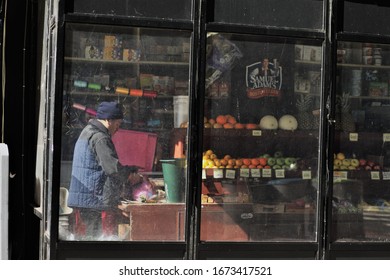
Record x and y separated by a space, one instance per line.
361 198
137 8
371 17
261 131
126 98
276 13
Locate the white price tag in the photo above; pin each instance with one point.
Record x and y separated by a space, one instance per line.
218 173
255 172
386 175
375 175
244 172
279 173
203 174
386 137
306 174
256 132
343 175
267 172
353 137
230 173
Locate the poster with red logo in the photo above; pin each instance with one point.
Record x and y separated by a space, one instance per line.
263 78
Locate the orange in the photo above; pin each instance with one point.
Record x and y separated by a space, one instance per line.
221 119
251 126
239 126
231 119
223 162
227 157
228 126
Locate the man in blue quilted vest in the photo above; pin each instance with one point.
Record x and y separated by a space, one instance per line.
98 176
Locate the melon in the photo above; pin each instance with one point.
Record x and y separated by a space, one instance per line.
268 122
288 122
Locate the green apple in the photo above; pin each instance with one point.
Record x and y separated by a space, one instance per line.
346 162
280 161
271 161
290 160
355 162
278 154
276 166
266 156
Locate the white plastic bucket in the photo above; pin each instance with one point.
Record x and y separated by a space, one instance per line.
180 110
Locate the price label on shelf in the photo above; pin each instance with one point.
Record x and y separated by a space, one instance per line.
306 174
255 172
256 132
279 173
267 173
375 175
386 137
230 174
218 173
353 137
386 175
203 173
244 172
342 175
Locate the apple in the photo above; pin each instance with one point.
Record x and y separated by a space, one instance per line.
367 167
271 161
346 162
266 156
370 163
355 162
290 160
280 161
278 154
276 166
337 162
362 162
351 167
376 167
263 161
340 156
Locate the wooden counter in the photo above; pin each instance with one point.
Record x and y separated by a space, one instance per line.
153 222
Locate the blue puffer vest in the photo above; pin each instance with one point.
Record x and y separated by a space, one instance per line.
97 175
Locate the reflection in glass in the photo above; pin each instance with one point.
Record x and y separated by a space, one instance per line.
260 158
361 198
145 73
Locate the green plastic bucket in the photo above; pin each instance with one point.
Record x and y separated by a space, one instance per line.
174 179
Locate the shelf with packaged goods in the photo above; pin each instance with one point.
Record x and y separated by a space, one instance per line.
363 66
124 62
112 94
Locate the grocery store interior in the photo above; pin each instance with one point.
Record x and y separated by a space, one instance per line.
260 128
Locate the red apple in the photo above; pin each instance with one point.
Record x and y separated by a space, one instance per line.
367 167
370 163
362 162
376 167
